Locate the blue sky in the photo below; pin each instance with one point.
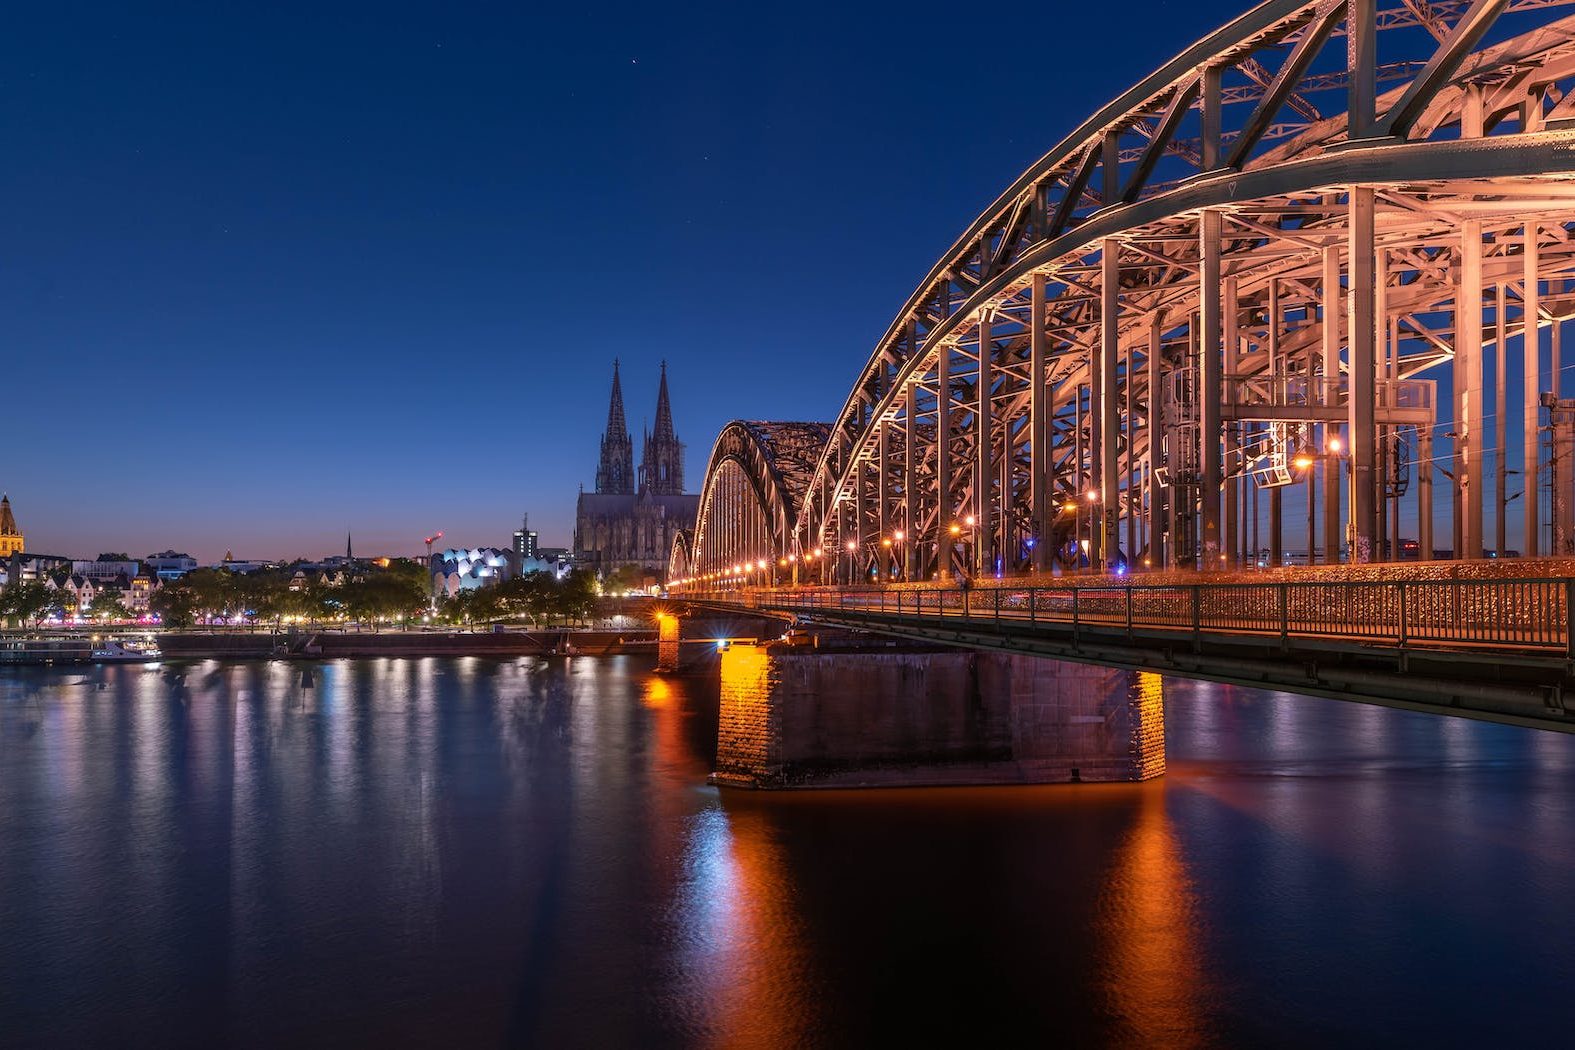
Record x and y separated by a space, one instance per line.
271 272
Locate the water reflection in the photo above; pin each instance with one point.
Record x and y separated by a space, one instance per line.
739 953
492 852
1155 972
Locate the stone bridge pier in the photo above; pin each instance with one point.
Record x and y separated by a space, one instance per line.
832 709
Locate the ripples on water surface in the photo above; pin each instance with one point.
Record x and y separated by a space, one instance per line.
471 852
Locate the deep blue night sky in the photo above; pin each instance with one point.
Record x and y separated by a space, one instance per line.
271 272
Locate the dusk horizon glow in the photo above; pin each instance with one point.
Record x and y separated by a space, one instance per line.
369 273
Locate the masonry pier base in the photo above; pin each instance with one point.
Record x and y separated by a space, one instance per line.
850 714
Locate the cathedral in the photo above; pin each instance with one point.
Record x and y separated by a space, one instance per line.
631 519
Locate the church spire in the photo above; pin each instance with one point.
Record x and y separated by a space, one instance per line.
615 472
10 536
615 422
662 461
664 411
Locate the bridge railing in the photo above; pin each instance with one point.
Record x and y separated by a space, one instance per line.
1532 615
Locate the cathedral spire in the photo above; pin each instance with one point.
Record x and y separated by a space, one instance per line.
615 472
662 462
615 422
664 411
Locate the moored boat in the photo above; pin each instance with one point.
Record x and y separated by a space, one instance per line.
41 649
125 650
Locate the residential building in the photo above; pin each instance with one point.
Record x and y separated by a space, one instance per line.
106 566
170 565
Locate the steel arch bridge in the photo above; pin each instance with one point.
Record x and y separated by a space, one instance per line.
1282 267
754 491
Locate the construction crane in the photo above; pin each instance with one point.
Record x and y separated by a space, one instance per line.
430 541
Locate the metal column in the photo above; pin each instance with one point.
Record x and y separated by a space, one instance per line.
1362 530
1531 354
1468 392
1424 493
1158 554
1500 421
1039 458
910 484
1109 406
1232 547
984 469
1332 316
1210 539
943 452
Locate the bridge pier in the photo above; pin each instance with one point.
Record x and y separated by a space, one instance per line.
867 714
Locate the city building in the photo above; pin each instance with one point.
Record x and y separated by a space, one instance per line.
106 566
525 542
27 568
242 566
170 565
11 539
466 569
630 520
561 559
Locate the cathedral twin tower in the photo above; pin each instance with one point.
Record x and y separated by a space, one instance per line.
661 459
632 520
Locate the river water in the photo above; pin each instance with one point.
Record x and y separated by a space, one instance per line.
467 852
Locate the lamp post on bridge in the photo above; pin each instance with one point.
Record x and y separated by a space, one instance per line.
853 550
1334 453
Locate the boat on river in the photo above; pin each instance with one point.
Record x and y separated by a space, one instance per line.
43 649
125 650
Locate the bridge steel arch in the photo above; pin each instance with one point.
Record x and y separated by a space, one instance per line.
1283 262
754 487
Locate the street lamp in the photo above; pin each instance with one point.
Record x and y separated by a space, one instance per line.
1094 545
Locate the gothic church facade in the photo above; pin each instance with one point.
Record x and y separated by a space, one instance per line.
631 519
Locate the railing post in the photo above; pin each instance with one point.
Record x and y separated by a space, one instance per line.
1285 616
1033 606
997 600
967 604
1129 614
1197 617
1074 617
1404 625
1569 618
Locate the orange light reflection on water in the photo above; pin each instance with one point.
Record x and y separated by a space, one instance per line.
744 954
1151 922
